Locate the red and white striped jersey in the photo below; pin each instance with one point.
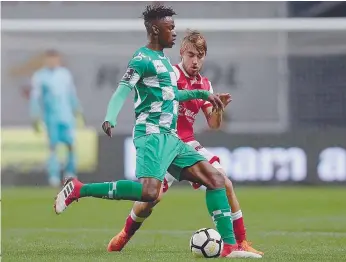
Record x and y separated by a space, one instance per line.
188 110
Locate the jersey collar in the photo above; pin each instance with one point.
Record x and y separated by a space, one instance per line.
197 78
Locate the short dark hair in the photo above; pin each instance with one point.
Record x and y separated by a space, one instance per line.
156 11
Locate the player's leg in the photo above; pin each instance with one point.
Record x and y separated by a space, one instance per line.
191 166
237 216
73 190
238 223
142 210
53 165
152 159
67 136
166 148
139 213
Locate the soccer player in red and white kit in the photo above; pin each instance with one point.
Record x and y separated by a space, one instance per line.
193 51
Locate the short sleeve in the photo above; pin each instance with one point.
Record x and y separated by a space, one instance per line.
135 70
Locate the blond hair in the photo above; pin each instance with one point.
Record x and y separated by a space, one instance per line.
196 39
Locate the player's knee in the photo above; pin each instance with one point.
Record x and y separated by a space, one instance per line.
158 199
150 194
216 180
151 189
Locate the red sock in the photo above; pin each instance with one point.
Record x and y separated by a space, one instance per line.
238 226
133 223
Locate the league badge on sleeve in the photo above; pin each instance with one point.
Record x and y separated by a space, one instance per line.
128 75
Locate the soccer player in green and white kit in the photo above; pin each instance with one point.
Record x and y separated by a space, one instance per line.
158 147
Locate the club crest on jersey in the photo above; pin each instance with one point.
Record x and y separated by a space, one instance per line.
128 75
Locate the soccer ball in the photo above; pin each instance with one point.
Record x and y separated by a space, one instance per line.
206 242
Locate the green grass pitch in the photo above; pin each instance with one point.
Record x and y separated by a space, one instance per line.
288 224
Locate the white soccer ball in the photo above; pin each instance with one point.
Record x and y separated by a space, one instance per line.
206 242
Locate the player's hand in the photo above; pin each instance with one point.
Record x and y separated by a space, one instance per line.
226 98
107 128
216 102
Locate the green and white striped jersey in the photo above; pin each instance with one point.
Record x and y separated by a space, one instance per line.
151 75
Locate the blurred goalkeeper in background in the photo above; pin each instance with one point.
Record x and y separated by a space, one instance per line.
53 99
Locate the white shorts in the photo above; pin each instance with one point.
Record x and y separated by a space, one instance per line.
214 160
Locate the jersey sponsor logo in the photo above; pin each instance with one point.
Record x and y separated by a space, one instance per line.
128 75
191 116
139 57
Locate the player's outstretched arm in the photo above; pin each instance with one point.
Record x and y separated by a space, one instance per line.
214 117
114 106
185 95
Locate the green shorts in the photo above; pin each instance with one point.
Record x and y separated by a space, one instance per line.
158 153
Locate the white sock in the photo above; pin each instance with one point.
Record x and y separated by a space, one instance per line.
136 218
237 215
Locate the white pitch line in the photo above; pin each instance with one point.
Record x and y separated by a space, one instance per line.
101 230
304 233
170 232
